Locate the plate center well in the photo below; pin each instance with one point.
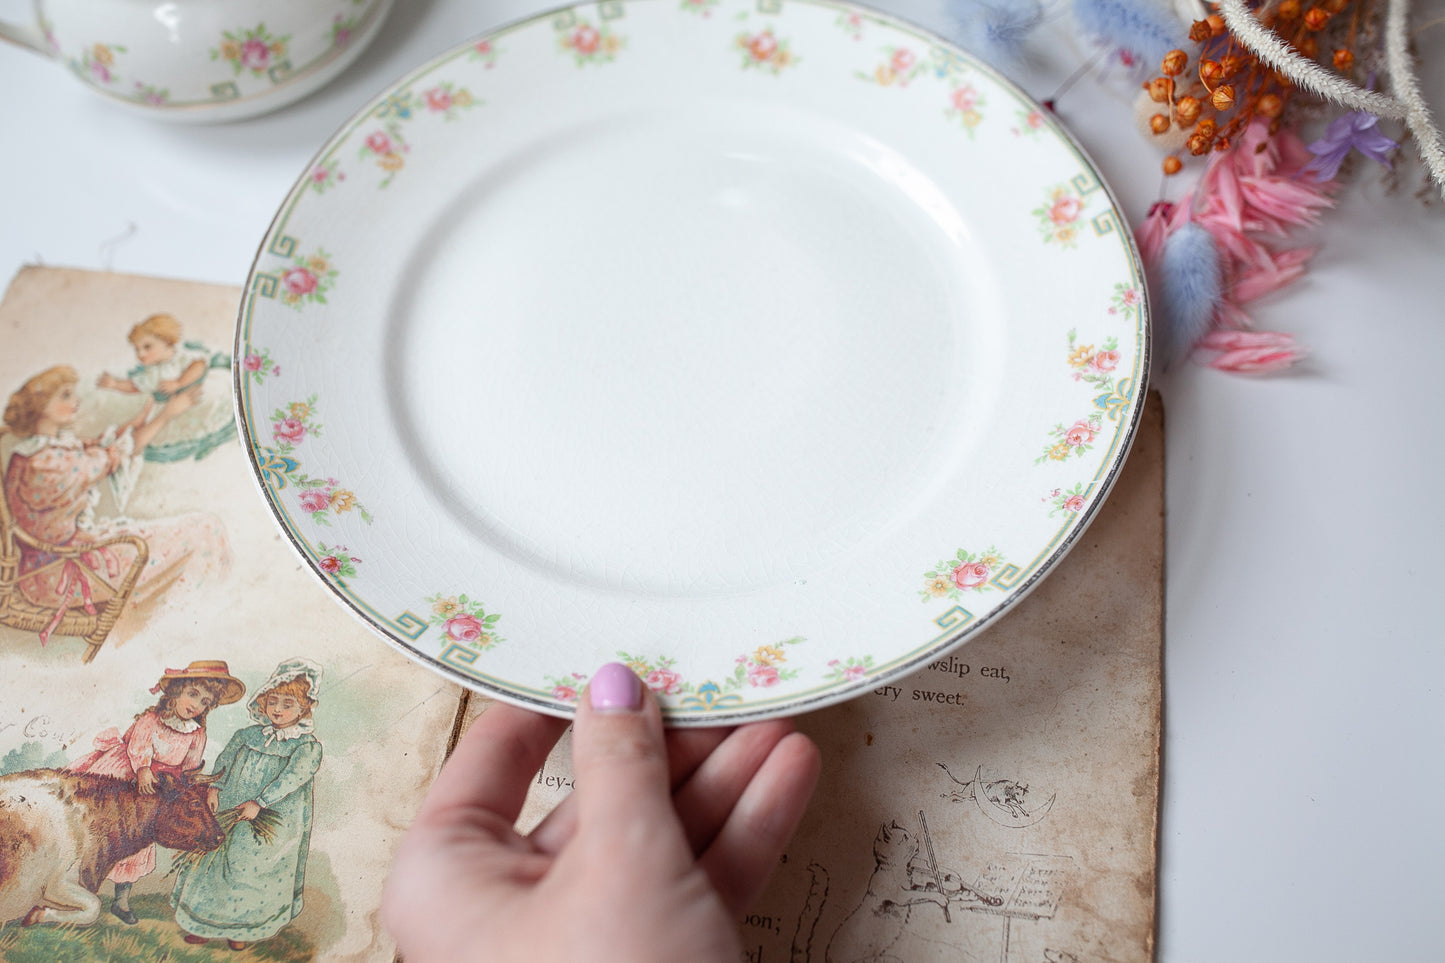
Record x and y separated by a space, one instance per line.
688 355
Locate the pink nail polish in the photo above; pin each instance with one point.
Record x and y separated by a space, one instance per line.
615 688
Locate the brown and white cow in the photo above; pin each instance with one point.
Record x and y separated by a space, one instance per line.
61 833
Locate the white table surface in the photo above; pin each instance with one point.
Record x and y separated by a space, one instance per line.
1303 669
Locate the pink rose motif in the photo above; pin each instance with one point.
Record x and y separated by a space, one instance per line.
315 500
1074 503
965 98
1130 297
1105 361
1066 210
762 675
342 37
484 47
101 71
320 175
464 628
586 39
330 564
438 99
299 281
565 693
1034 119
763 46
854 672
970 575
289 429
252 362
903 60
665 681
1081 434
378 142
255 54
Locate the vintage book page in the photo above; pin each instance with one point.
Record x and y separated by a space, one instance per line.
97 650
1001 804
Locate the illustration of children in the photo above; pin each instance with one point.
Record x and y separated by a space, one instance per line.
168 737
253 886
168 366
51 487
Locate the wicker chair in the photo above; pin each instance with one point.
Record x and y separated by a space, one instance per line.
19 612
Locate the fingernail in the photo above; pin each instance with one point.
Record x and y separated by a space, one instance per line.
615 688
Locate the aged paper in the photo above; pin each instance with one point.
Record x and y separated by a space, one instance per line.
218 586
1001 804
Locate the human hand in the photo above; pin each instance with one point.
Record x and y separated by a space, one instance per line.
248 810
654 856
145 781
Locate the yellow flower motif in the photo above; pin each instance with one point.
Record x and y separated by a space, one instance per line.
343 500
939 586
1081 356
884 75
611 44
447 607
1065 233
769 655
318 264
989 560
462 98
230 50
299 410
102 54
782 58
1059 452
278 48
971 118
638 667
390 162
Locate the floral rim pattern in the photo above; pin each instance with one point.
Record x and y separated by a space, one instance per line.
1071 213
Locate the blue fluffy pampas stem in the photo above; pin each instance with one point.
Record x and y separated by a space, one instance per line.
1190 285
1147 30
997 32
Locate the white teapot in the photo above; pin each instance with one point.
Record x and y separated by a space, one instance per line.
199 60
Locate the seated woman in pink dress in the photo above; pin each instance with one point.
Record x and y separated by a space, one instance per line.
52 485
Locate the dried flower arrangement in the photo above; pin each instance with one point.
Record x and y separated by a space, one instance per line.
1233 87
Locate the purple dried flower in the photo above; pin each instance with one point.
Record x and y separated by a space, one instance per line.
1356 131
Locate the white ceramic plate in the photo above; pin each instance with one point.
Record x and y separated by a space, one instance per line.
774 348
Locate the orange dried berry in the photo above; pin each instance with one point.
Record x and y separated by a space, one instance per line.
1210 72
1270 105
1161 89
1199 31
1223 97
1198 146
1187 110
1231 64
1174 63
1308 46
1207 127
1217 25
1172 165
1159 124
1316 18
1288 9
1344 60
1222 144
